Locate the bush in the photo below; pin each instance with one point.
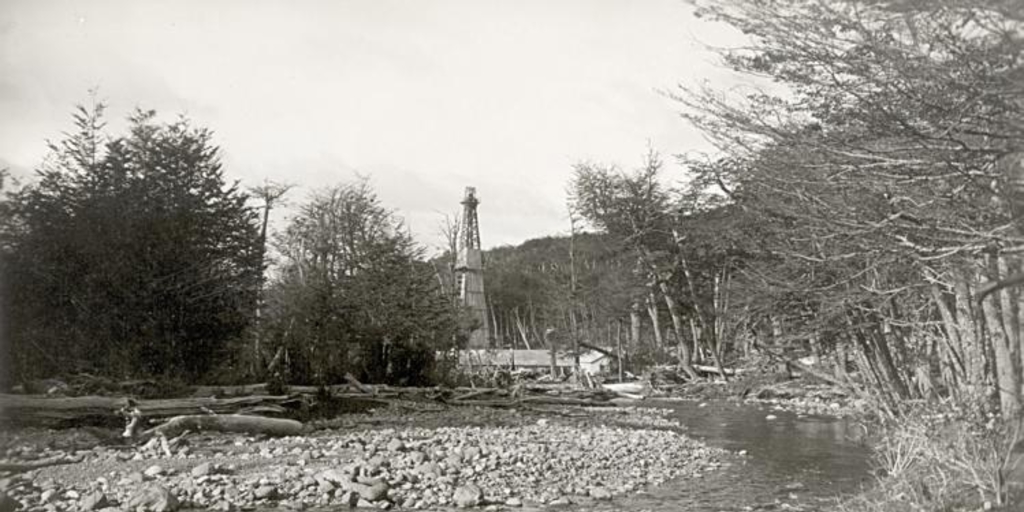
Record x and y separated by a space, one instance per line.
939 457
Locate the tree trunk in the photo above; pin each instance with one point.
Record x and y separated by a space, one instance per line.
953 369
685 356
554 354
971 347
1005 372
522 329
652 311
618 349
695 334
888 364
1000 326
634 324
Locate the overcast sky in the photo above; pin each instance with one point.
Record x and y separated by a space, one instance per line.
425 97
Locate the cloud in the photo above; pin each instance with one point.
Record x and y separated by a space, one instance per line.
427 97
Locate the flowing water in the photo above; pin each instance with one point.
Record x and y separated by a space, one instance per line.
793 462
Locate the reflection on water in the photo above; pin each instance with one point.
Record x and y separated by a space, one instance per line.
800 462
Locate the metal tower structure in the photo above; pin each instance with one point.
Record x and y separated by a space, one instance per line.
470 270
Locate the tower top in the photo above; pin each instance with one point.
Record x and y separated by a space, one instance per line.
470 198
470 236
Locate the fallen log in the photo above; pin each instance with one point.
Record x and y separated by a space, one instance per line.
635 388
230 391
21 467
358 385
549 400
714 369
542 400
474 394
820 375
234 423
42 410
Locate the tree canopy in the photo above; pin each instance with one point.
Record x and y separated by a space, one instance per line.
130 254
353 293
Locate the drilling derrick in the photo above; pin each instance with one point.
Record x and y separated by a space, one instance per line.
469 268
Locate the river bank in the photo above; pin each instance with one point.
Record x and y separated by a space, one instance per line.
392 457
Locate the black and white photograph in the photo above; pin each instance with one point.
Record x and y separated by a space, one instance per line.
512 255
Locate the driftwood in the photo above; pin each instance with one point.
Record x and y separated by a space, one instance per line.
20 467
714 370
236 423
542 400
630 390
358 385
230 391
28 409
475 393
263 389
41 410
818 374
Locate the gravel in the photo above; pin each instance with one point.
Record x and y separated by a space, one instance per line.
465 457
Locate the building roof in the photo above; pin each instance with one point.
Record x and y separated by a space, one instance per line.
540 357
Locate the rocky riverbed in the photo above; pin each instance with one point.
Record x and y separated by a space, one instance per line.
393 458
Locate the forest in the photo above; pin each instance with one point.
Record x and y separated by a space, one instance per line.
864 207
133 256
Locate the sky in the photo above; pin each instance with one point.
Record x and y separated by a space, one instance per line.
424 97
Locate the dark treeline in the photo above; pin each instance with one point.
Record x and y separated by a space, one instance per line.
882 188
133 256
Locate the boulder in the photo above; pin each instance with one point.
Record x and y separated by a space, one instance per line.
7 503
153 498
468 495
560 501
347 498
204 469
396 445
223 506
417 458
336 476
428 468
265 492
48 496
371 493
375 463
94 500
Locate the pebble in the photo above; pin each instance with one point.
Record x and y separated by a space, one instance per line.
154 471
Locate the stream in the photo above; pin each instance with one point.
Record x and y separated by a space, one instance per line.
793 462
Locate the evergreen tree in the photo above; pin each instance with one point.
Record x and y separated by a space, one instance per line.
130 255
